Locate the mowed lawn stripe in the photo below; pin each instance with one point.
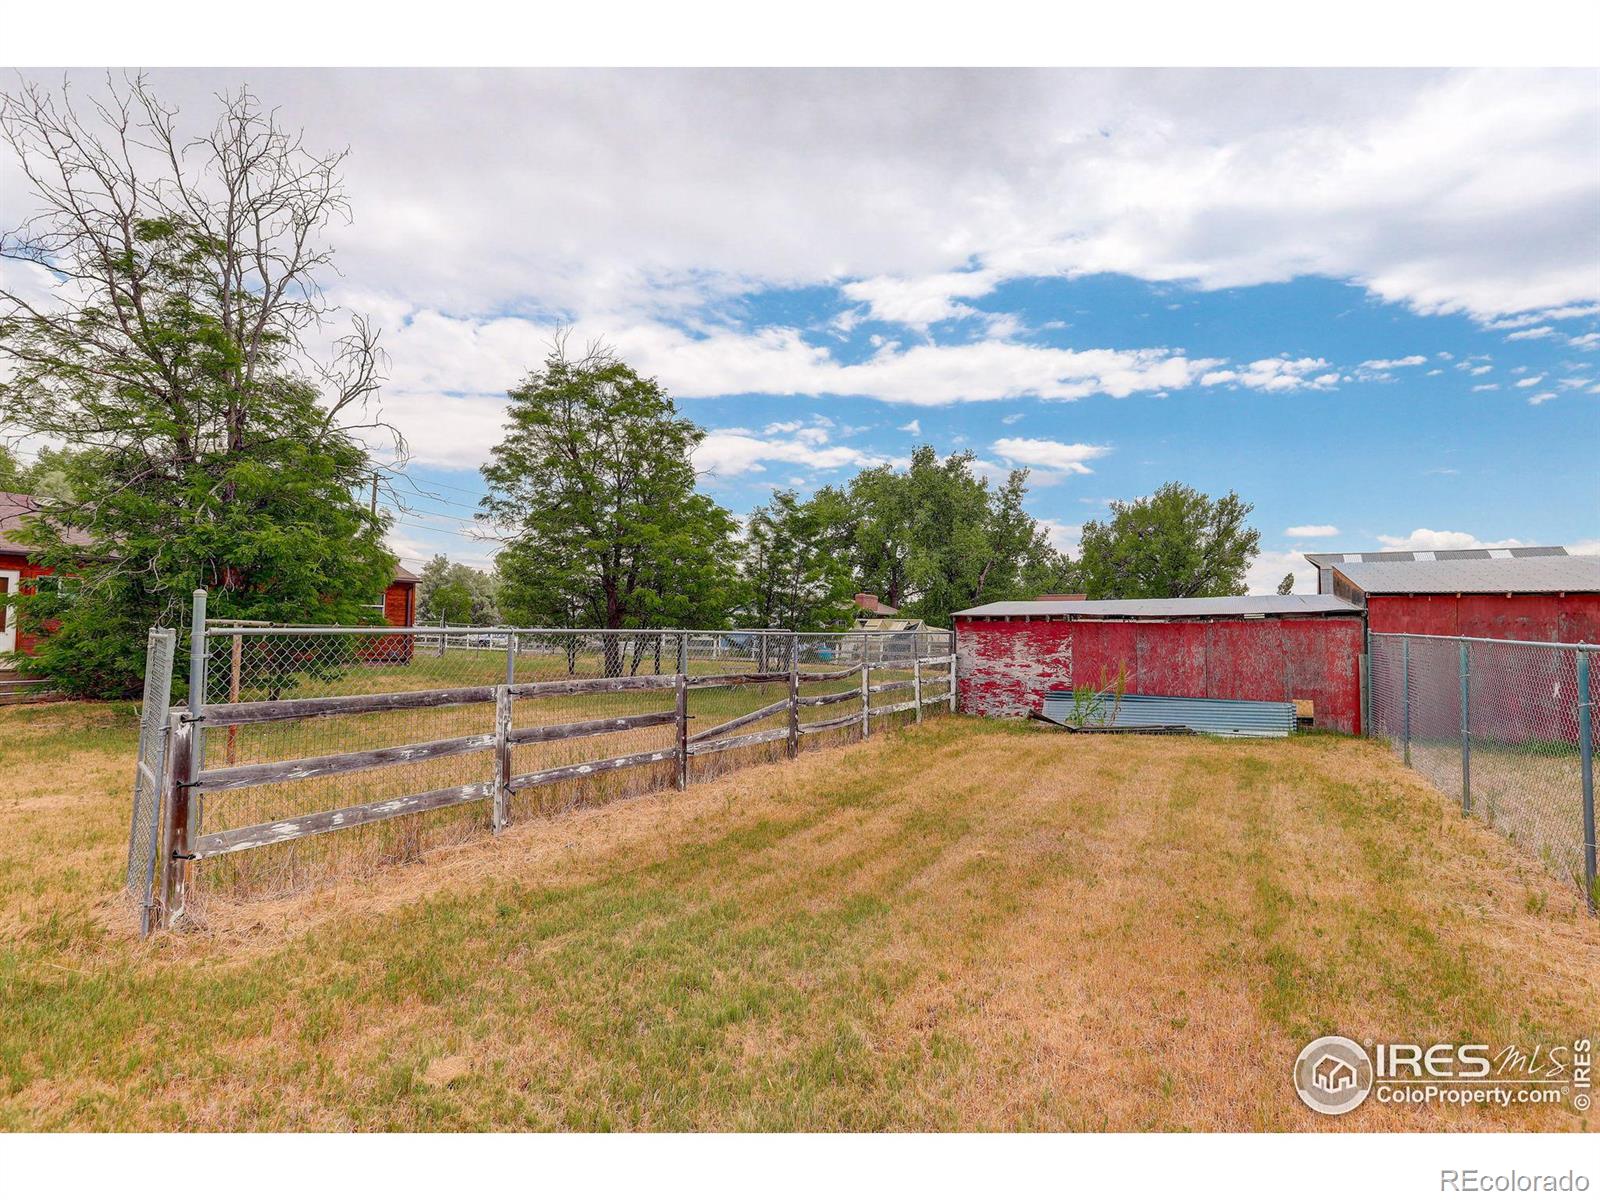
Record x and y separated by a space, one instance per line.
966 925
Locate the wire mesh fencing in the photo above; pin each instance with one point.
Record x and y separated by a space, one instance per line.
144 833
1505 727
399 740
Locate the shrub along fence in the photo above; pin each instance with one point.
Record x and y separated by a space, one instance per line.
1506 727
395 740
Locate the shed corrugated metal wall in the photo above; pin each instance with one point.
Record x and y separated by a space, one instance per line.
1005 667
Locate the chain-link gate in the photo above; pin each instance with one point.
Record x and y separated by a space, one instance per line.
1506 727
144 836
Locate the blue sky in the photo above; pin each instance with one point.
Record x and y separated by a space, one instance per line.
1368 301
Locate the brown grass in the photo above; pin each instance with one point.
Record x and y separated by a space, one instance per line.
966 926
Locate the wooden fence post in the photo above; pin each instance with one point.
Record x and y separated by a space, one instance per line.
502 758
952 673
176 863
916 686
794 695
681 717
866 698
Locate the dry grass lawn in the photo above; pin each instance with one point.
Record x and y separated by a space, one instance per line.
964 926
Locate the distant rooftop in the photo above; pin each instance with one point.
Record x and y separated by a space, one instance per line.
1155 610
15 507
1550 573
1481 552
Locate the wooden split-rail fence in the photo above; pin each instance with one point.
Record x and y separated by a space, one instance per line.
185 778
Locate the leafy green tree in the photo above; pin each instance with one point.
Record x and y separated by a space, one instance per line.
15 476
1286 584
796 563
936 538
594 480
460 594
209 446
1177 542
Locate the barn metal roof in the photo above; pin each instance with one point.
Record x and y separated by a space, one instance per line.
1155 610
1556 573
1481 552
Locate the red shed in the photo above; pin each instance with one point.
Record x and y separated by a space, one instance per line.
399 608
1305 648
1525 598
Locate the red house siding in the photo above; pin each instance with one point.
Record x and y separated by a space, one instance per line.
1004 667
1522 618
29 571
400 609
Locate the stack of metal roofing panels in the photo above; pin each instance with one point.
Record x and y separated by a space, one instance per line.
1225 718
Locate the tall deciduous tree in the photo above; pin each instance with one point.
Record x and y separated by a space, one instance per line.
1177 542
936 538
457 593
796 562
172 353
595 483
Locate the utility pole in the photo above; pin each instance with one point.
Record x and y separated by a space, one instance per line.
374 505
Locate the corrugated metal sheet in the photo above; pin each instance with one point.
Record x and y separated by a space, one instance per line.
1226 718
1371 556
1197 606
1541 573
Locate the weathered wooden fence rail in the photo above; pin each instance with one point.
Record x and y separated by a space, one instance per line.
186 780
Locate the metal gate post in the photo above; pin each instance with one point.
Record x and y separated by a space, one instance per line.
916 686
1405 692
1586 759
511 659
1466 737
681 729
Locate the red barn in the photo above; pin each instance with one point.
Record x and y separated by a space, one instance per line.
1545 597
1305 648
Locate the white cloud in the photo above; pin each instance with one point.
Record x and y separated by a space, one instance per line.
1269 568
1486 387
1566 313
1484 369
1585 341
728 452
914 428
1442 539
1541 397
1386 364
1311 531
1011 418
920 302
1282 374
1062 536
1539 331
921 189
1530 381
1592 546
1063 458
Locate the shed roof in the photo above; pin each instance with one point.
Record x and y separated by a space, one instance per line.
1558 573
1479 552
401 575
1155 610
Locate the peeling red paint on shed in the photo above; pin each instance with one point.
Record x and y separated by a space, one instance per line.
1526 617
1005 666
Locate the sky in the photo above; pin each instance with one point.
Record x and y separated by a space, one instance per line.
1367 301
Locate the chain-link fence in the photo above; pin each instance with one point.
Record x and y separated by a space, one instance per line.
144 835
269 749
1506 727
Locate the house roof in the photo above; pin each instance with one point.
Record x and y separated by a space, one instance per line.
1481 552
1156 610
1563 573
15 507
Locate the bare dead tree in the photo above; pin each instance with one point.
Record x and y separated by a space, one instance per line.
185 270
